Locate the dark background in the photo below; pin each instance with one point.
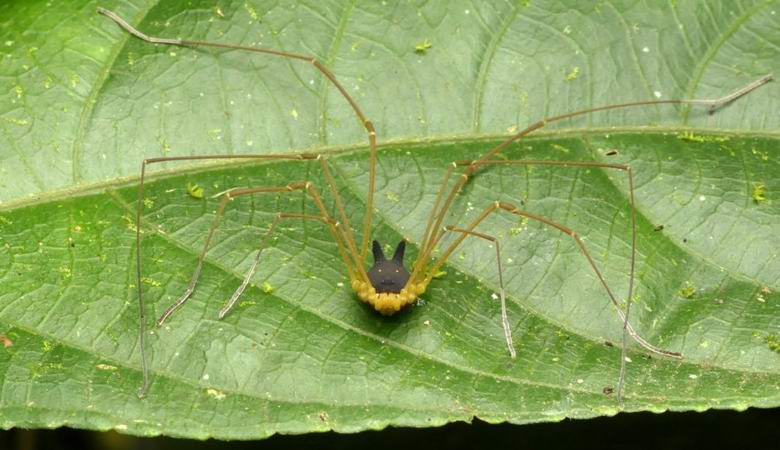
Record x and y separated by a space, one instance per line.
754 428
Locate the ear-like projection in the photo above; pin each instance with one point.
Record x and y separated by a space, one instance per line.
378 253
398 256
388 275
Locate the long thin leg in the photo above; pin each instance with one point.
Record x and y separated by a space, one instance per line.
713 104
357 261
516 211
367 124
626 168
435 237
504 318
230 195
279 217
433 234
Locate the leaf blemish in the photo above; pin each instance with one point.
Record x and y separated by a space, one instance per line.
758 193
151 282
688 291
690 136
773 342
573 74
218 395
195 191
422 47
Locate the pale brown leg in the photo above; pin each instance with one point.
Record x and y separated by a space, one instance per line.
431 237
444 206
344 240
504 318
516 211
367 124
433 231
228 196
279 217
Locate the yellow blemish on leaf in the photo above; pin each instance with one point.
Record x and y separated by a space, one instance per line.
690 136
266 287
106 367
573 74
150 281
560 148
65 272
763 155
514 231
758 192
215 133
393 197
688 291
15 121
219 395
773 342
130 222
251 10
195 190
423 47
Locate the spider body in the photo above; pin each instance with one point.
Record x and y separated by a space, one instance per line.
390 286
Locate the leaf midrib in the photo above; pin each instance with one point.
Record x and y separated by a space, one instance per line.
103 186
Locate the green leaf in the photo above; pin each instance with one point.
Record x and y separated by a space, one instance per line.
85 103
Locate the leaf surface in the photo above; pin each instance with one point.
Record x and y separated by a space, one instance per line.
86 103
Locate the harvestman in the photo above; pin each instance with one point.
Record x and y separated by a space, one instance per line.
388 286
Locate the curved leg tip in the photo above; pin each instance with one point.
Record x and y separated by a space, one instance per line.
141 394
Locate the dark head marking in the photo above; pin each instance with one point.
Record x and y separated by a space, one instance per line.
388 275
